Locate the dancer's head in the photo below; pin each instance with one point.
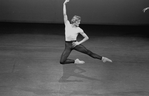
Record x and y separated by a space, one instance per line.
76 20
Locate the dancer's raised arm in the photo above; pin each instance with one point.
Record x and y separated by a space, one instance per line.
64 11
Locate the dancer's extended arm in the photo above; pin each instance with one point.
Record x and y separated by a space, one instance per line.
64 11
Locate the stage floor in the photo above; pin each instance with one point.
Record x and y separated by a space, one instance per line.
29 66
30 54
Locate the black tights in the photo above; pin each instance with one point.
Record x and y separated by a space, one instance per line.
69 47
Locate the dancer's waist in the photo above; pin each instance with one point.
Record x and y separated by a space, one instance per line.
70 41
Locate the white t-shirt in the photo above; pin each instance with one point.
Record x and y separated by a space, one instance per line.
71 33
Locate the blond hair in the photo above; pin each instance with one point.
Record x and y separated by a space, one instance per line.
75 18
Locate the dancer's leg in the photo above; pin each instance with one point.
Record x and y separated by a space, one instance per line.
65 55
84 50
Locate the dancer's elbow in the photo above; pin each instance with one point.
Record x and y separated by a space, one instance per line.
87 38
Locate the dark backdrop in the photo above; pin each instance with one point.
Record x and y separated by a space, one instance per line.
91 11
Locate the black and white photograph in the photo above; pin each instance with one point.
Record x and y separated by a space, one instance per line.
74 48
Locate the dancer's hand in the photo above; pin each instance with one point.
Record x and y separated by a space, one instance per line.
66 1
75 43
145 9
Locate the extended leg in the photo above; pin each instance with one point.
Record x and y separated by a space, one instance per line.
82 49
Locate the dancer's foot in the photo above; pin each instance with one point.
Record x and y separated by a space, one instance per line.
105 59
77 61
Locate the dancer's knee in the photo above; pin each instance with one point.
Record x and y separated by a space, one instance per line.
62 62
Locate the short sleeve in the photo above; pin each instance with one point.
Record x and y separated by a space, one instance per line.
80 30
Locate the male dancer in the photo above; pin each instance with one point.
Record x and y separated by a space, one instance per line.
71 32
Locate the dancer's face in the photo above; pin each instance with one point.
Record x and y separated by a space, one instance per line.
76 20
77 23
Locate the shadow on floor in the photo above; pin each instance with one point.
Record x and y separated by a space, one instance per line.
74 70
